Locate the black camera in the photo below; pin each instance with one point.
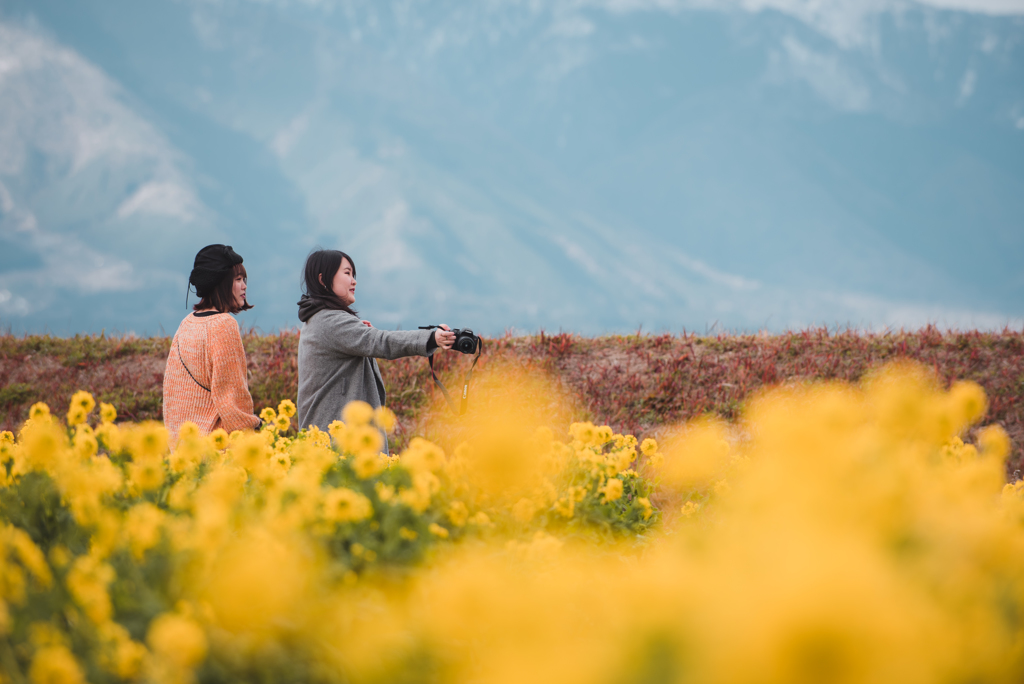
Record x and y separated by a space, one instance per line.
466 342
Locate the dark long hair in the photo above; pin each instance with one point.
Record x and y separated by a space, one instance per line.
222 296
323 264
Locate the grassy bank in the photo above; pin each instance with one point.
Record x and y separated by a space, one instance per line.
636 384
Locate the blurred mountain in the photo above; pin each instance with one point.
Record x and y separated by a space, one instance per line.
569 165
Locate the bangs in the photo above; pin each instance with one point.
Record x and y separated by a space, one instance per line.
239 270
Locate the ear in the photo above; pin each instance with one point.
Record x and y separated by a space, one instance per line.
321 277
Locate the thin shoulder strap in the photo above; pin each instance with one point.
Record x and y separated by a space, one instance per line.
185 366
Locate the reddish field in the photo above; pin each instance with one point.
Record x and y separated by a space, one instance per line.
633 383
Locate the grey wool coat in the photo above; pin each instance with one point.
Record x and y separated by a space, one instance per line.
337 364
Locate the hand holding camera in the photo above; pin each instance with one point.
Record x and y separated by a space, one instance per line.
463 341
444 336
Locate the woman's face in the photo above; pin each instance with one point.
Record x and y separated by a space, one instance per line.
238 290
344 283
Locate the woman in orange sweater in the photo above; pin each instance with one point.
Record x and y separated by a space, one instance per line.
205 378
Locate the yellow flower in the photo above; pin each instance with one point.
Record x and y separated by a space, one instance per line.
689 508
457 513
417 498
219 439
28 553
268 415
250 451
364 439
318 437
565 507
85 443
994 442
357 413
143 526
83 400
286 408
189 430
406 533
384 492
385 419
480 519
177 640
108 414
969 400
148 441
423 456
612 490
585 433
367 464
55 665
338 432
344 505
645 505
122 656
111 436
648 447
39 412
438 531
87 581
147 475
76 415
282 461
282 423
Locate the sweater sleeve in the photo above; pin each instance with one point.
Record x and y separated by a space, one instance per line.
346 334
228 384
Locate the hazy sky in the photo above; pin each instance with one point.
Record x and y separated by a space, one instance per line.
588 165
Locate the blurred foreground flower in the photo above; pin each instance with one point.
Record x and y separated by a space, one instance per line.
835 534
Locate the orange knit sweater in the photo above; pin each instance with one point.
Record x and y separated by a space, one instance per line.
205 378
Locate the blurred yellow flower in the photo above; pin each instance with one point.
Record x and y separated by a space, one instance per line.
994 442
438 531
147 475
39 412
108 414
87 582
645 506
76 415
177 639
612 490
55 665
385 419
457 513
219 439
345 505
357 413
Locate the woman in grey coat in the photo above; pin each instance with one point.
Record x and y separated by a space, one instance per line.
338 351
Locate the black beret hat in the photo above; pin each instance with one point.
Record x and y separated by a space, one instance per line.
213 263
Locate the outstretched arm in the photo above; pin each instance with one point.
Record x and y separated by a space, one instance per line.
350 336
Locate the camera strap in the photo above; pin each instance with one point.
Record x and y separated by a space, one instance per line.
465 381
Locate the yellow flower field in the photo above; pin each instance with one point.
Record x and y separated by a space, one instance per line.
837 533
